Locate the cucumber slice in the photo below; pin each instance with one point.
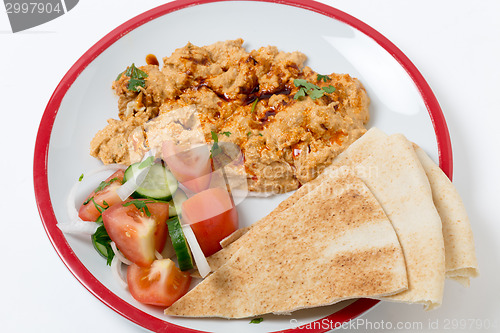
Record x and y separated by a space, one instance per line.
177 200
180 245
159 183
101 241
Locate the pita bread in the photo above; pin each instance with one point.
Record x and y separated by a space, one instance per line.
342 246
230 244
391 169
460 258
397 179
460 255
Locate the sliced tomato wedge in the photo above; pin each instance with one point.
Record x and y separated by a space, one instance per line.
160 284
190 166
138 228
104 196
212 216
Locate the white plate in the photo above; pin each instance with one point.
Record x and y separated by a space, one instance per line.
401 101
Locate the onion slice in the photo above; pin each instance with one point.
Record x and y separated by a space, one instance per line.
75 226
119 255
131 185
158 255
116 266
198 256
78 227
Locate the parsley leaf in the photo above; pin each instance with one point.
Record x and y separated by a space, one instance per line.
137 78
329 89
254 104
140 204
257 320
315 93
134 83
325 78
226 133
81 178
310 89
216 149
102 244
99 208
105 184
300 93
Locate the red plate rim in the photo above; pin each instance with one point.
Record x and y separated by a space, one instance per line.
40 164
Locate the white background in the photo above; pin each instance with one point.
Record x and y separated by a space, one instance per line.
456 46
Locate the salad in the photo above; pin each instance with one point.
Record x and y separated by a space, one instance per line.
161 217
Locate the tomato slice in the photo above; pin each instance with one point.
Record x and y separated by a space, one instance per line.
160 284
103 197
190 166
138 227
212 216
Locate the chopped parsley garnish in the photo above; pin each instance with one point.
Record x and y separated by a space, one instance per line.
325 78
216 149
99 208
249 133
102 243
310 89
105 184
137 78
140 204
254 104
101 187
257 320
329 89
81 178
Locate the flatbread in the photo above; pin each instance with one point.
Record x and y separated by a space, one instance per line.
460 254
336 243
397 179
393 172
231 245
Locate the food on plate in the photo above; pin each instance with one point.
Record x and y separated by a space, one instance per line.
289 121
393 171
372 215
159 183
191 166
460 254
138 228
212 215
137 231
335 243
180 244
102 197
160 284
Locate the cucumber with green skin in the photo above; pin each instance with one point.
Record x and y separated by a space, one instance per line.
178 198
159 183
179 242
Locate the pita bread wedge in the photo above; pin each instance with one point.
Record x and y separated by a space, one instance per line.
336 243
461 262
393 172
391 169
397 179
231 245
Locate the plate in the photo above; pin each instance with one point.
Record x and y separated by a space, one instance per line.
401 101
